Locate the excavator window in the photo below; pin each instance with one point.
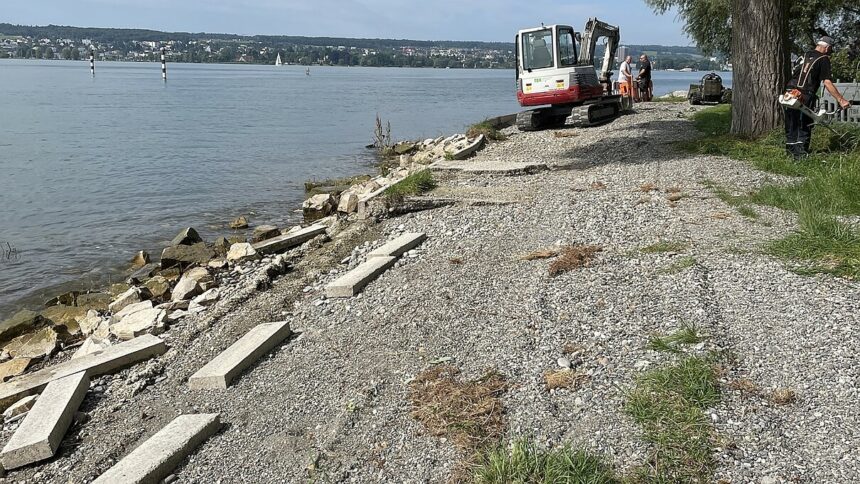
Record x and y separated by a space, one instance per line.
537 50
566 48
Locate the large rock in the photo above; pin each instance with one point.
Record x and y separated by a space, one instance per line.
241 253
222 245
404 147
13 368
21 322
133 295
33 345
199 274
20 407
139 323
208 298
97 301
159 287
140 259
186 255
118 288
318 206
264 232
130 309
90 322
91 345
239 223
348 202
143 274
66 316
188 236
186 288
66 299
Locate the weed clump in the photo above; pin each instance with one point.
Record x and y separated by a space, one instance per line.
687 335
573 257
469 413
525 462
663 247
487 129
414 184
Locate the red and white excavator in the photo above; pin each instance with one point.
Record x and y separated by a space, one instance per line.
555 70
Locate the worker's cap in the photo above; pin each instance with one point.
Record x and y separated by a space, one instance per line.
826 40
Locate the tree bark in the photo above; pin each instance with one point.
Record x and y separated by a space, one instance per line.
760 56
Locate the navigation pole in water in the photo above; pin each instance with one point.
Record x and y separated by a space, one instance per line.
93 62
163 66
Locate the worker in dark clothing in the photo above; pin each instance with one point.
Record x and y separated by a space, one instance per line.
814 70
646 89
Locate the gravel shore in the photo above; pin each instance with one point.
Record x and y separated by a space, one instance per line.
331 404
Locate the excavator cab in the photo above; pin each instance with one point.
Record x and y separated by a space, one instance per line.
555 68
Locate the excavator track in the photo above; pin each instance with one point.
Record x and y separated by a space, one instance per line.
529 120
593 114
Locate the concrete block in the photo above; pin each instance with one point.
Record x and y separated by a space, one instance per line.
354 281
97 363
284 242
399 246
218 373
43 428
156 458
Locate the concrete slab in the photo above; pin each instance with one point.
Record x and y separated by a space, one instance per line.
156 458
43 428
399 246
354 281
503 168
218 373
284 242
97 363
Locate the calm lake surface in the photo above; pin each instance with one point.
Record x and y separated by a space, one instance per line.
94 169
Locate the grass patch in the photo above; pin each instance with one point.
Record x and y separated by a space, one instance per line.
469 413
664 246
668 403
687 335
670 99
487 129
413 184
681 265
822 244
738 202
573 257
525 462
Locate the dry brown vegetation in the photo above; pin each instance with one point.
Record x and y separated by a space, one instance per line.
563 379
783 396
547 253
469 413
573 257
780 396
565 134
598 185
648 187
455 260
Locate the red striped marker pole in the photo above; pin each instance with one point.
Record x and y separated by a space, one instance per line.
93 62
163 66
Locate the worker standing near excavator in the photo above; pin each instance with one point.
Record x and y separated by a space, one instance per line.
645 87
807 79
625 73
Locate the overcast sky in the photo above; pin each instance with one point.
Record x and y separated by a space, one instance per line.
490 20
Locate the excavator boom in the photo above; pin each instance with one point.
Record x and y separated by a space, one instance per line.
594 30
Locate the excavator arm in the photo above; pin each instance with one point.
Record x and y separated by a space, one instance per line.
594 30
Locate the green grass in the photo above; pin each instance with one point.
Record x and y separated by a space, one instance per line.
681 265
663 247
738 202
525 462
413 184
687 335
668 404
486 129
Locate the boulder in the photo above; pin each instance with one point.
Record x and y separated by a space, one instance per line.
97 301
291 230
239 223
130 309
66 299
116 289
159 287
217 264
20 407
348 202
177 315
140 259
208 298
143 274
133 295
186 255
174 306
186 288
142 322
318 206
241 253
90 323
66 316
187 236
12 368
222 245
21 322
404 147
173 274
90 346
405 160
33 345
199 274
264 232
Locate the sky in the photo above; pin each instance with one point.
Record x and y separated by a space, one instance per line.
486 20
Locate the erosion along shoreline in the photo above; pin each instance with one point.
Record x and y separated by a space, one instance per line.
576 287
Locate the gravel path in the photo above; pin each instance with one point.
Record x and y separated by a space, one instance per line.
331 404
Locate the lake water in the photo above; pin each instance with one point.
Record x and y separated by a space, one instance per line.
94 169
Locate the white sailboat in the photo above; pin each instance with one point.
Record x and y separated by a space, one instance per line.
278 60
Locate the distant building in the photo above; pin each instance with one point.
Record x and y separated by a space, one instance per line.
623 52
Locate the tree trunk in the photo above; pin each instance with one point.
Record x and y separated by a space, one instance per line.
761 63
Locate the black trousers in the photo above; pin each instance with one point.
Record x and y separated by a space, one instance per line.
798 129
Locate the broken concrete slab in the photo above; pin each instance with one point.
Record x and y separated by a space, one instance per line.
130 309
139 323
20 407
160 454
354 281
90 346
218 373
40 433
399 246
491 167
98 363
292 239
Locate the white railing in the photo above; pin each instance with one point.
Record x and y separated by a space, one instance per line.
851 91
